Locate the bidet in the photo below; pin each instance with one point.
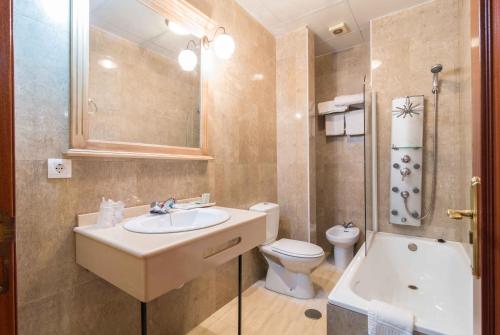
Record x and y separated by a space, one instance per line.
342 238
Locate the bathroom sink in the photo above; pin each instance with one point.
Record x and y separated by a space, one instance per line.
154 262
176 222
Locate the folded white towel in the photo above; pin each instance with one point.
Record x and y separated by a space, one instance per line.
346 100
328 107
355 122
334 124
386 319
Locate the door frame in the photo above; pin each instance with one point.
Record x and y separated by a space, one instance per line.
489 115
8 308
489 118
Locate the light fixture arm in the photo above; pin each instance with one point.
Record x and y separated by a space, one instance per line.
223 47
189 43
205 41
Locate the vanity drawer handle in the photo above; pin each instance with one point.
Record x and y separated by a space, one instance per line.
212 251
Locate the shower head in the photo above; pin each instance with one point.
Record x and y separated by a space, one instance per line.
436 68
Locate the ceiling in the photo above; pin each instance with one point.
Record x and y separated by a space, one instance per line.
283 16
139 24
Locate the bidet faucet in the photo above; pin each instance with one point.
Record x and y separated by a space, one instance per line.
349 224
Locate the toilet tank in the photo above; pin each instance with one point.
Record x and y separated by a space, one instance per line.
272 219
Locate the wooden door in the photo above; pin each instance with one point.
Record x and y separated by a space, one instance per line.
485 19
492 106
7 241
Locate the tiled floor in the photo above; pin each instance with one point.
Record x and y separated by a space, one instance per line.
269 313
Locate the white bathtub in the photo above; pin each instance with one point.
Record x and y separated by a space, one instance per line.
443 301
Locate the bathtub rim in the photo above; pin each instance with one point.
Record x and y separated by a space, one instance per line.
343 296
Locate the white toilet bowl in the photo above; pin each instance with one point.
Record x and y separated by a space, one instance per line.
343 240
290 265
290 262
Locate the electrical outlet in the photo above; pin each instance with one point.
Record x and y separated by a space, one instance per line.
59 168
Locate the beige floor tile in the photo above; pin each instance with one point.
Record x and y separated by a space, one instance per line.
269 313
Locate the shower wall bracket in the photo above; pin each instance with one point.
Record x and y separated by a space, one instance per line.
406 167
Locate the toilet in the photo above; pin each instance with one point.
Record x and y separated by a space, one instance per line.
290 261
343 240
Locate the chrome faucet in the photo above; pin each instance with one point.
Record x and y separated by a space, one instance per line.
349 224
162 207
405 172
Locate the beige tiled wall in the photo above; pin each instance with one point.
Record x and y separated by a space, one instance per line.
56 296
295 133
339 159
147 98
407 44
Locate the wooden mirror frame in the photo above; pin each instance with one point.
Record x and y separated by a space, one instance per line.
80 143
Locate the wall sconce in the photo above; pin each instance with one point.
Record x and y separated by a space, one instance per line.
187 58
223 47
223 43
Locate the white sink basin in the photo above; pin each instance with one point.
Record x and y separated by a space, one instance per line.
147 266
175 222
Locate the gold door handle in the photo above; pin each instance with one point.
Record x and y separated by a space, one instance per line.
457 214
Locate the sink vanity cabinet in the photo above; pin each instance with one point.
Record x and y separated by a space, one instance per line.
147 265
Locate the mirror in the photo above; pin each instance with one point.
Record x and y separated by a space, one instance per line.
131 96
137 89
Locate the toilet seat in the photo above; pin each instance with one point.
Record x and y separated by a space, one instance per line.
296 248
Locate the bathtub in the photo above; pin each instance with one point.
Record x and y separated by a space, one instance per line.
440 272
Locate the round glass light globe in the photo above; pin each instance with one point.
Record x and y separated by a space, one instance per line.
224 46
187 60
